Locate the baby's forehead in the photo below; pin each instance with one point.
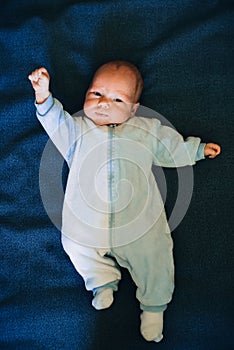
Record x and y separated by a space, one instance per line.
120 78
111 68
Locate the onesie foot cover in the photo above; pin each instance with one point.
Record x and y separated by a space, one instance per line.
103 299
152 326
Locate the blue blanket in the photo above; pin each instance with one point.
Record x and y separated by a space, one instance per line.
185 52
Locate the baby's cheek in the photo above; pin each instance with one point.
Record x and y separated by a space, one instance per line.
88 106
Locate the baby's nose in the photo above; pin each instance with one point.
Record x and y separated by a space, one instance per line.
104 102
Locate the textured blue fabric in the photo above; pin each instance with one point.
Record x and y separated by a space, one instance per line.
185 52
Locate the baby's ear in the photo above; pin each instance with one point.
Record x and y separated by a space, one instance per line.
134 108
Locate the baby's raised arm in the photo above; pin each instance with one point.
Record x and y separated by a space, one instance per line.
40 80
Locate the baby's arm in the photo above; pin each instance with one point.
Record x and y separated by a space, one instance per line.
212 150
40 81
62 129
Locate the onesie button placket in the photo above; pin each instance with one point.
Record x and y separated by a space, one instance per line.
111 181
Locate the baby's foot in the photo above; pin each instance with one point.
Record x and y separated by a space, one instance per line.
103 299
152 325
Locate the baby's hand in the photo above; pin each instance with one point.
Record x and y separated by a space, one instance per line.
211 150
40 80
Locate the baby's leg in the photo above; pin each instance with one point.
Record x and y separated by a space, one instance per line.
150 263
99 272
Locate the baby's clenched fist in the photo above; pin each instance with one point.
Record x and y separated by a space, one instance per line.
40 80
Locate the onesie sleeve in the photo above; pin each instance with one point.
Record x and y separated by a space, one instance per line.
172 150
60 126
43 108
200 152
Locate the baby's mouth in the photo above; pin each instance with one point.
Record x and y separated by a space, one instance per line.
101 114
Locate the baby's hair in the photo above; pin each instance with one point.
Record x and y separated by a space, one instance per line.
133 68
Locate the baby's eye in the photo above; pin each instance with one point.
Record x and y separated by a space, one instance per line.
118 100
96 93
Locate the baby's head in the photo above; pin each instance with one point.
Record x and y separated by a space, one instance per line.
113 96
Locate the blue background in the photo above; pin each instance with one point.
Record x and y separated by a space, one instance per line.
185 52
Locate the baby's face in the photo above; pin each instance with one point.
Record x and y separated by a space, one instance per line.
111 97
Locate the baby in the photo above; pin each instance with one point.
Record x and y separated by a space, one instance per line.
113 214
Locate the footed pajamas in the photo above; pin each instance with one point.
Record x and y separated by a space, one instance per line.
113 213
